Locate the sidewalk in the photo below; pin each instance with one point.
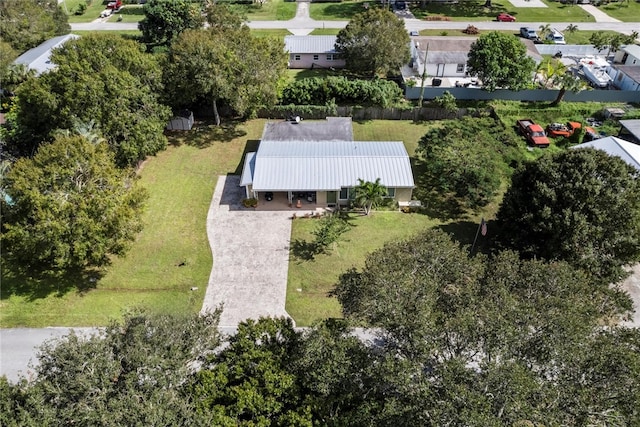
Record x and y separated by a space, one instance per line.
599 15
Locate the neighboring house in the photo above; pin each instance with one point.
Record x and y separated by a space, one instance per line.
319 162
628 55
446 58
630 130
626 77
39 58
312 51
613 146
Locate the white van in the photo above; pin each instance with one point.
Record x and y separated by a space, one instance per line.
556 37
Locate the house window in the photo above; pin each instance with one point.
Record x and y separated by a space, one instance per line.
347 193
296 57
391 192
316 57
331 57
460 68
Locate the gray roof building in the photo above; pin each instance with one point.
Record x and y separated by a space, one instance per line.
613 146
322 156
39 58
310 44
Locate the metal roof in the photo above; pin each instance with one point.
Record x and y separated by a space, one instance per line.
333 128
247 170
330 165
633 126
38 58
632 49
613 146
310 44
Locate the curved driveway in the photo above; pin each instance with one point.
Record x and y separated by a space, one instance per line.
250 256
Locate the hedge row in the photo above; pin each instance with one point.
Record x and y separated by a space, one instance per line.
340 90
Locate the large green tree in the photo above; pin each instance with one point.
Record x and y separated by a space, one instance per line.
70 207
582 206
99 77
500 61
463 162
225 65
27 23
165 19
134 372
374 43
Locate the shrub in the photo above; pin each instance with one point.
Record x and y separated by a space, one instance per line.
250 203
471 29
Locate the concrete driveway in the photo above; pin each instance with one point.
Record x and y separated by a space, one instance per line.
250 256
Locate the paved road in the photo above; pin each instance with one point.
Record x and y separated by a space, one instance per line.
250 256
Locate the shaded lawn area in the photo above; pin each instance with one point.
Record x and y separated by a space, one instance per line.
170 255
627 11
273 10
307 73
475 11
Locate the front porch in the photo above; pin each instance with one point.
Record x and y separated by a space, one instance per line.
281 202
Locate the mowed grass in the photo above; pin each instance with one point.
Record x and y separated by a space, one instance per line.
474 11
129 13
92 12
343 11
310 282
627 11
279 34
273 10
170 256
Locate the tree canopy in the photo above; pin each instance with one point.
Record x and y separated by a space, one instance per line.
464 162
500 61
582 206
225 65
99 77
164 20
27 23
70 207
374 43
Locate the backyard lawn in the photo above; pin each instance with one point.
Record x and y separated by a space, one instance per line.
170 256
627 11
273 10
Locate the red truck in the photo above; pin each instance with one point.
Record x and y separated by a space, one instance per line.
533 132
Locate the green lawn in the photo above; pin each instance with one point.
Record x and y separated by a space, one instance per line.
170 256
343 11
271 33
325 32
92 12
273 10
474 11
310 281
130 13
628 11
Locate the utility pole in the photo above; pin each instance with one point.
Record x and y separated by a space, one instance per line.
424 74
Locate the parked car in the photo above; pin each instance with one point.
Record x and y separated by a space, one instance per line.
556 130
556 37
505 17
414 33
529 33
533 133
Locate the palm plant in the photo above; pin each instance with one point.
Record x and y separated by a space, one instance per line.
369 194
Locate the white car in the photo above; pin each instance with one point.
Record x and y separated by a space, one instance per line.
556 37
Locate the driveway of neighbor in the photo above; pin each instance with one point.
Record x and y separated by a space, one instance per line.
250 256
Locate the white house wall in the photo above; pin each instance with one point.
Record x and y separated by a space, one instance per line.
310 60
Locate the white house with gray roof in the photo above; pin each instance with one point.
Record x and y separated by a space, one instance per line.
39 58
312 52
320 163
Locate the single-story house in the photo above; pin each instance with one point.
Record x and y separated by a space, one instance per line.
627 151
630 130
446 57
626 77
312 51
320 162
628 55
39 58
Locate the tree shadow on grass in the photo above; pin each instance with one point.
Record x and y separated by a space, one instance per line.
303 250
434 203
464 232
204 134
37 285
